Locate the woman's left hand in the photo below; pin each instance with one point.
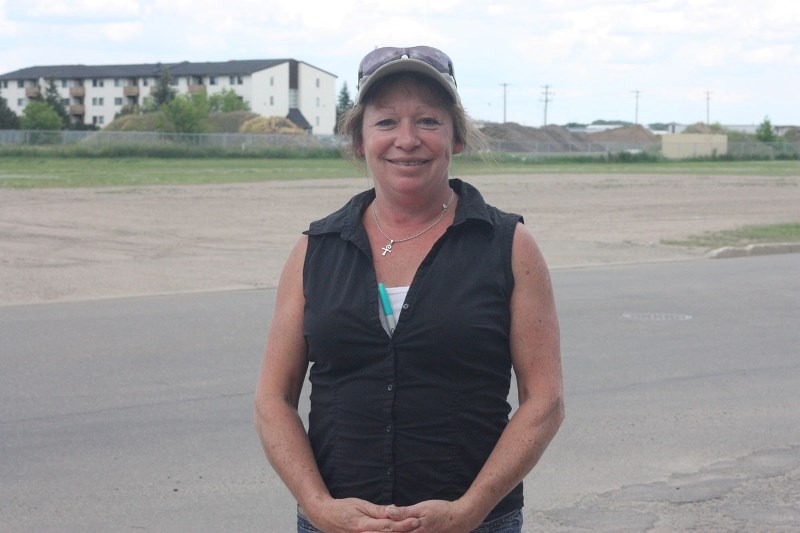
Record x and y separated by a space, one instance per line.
438 516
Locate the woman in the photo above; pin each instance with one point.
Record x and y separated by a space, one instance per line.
409 427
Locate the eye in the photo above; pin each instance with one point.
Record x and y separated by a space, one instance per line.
429 122
385 123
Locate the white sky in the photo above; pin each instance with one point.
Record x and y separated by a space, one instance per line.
738 60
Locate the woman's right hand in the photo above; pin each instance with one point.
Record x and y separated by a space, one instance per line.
352 515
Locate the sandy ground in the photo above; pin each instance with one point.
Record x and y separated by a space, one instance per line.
73 244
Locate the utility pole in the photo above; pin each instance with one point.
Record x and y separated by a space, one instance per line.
547 99
504 85
708 106
636 92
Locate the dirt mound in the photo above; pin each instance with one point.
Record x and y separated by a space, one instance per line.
792 135
513 137
627 134
702 128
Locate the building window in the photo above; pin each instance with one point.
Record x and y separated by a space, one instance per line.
98 83
117 82
20 84
64 83
117 101
98 120
65 102
317 121
212 80
145 82
97 101
236 80
20 102
318 83
271 81
317 101
5 84
271 100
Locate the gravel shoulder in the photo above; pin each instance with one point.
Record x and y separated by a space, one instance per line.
76 244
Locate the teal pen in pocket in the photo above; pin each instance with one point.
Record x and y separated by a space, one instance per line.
387 308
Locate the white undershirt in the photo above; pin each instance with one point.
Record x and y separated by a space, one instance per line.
397 295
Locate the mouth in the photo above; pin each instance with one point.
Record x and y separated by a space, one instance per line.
402 163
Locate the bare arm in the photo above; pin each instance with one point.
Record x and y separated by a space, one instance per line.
280 382
535 350
280 428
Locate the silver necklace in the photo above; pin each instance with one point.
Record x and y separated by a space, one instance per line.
388 248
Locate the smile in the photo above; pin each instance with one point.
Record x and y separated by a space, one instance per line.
408 163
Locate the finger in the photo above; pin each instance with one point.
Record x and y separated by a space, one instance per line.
397 526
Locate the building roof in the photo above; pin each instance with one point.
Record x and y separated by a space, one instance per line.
147 70
298 119
226 68
86 71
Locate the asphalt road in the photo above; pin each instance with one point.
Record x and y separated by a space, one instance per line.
682 407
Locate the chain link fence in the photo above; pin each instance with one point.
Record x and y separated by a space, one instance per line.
231 143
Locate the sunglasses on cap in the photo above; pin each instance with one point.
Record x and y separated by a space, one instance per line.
427 54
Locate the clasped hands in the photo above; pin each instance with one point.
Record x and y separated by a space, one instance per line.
352 515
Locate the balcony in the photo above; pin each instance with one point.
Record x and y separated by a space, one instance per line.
32 92
197 88
130 90
77 92
77 110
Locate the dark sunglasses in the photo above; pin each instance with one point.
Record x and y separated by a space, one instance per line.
381 56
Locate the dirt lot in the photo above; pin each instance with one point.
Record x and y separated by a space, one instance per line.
70 244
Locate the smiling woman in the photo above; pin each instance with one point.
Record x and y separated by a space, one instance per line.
411 347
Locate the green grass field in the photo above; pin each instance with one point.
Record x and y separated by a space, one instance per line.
33 172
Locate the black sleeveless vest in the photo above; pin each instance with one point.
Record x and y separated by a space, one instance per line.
411 417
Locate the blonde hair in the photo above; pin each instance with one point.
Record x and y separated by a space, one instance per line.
464 130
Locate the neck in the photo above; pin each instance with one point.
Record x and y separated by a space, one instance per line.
404 210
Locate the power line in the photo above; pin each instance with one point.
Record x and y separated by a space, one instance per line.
547 99
504 85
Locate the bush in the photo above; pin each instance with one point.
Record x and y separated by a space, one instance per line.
40 116
229 122
271 125
145 122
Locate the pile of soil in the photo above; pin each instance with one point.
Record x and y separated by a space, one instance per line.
513 137
625 134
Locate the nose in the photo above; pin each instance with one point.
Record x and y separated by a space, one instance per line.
407 138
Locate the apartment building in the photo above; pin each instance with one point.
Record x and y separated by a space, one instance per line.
95 94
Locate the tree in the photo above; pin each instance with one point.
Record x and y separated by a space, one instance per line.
164 92
40 116
227 101
344 103
52 97
8 119
765 133
186 114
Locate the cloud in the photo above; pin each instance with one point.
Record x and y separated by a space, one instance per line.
67 11
769 54
593 53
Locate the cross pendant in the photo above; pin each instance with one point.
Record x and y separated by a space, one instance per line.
387 249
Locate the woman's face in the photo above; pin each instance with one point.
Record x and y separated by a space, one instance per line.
407 137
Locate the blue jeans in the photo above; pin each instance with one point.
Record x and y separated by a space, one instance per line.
510 523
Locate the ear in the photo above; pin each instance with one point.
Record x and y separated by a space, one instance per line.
359 150
458 148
